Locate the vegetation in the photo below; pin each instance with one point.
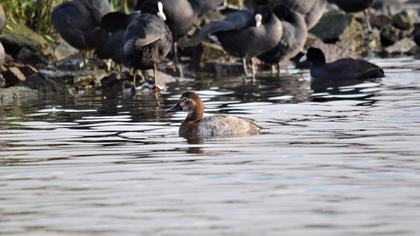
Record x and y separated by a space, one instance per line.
36 13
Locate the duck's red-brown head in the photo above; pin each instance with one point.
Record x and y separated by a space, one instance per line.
191 103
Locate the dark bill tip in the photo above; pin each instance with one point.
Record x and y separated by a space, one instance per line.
175 108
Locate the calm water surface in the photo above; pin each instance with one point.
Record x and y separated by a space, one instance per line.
331 161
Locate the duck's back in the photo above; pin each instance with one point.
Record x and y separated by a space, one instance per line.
347 68
219 125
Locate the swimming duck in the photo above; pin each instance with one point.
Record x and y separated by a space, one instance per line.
311 10
245 33
78 22
341 69
197 126
293 39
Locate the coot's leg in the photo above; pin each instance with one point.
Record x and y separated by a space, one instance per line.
368 20
253 67
176 61
278 69
155 75
244 66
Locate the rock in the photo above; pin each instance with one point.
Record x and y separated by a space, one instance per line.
62 50
13 76
17 36
30 56
399 48
378 21
404 20
16 94
332 25
391 34
46 85
2 55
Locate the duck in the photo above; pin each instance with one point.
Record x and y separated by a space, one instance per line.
78 23
147 41
352 6
312 10
245 33
294 36
341 69
2 19
196 125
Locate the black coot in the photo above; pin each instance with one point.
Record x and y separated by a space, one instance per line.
293 39
312 10
78 22
245 34
179 15
147 41
115 23
341 69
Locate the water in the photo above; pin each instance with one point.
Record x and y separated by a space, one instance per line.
334 161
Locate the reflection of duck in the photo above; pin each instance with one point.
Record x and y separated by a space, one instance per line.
312 10
78 22
293 39
197 126
341 69
245 34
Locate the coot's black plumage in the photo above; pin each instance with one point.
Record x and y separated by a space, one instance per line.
78 22
341 69
352 5
294 36
2 19
417 35
312 10
115 23
245 33
147 41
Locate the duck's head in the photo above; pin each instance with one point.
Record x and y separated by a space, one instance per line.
262 15
315 56
191 103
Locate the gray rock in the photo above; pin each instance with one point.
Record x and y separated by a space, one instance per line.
13 76
332 25
17 95
399 48
404 20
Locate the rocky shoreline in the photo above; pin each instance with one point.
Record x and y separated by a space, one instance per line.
35 65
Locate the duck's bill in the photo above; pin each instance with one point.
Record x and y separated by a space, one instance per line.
175 108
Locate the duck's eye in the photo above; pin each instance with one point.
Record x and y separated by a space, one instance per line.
184 99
